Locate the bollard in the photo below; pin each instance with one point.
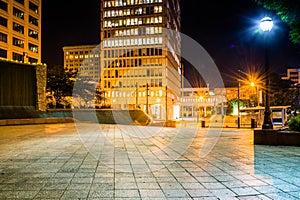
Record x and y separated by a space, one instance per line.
203 124
253 123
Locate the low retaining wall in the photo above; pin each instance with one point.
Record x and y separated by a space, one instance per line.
7 122
276 137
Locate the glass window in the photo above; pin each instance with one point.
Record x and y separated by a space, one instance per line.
33 34
18 57
19 28
3 53
32 60
33 20
3 21
3 37
20 1
3 5
33 7
33 48
18 13
17 42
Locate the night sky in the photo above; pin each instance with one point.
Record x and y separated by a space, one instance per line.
224 28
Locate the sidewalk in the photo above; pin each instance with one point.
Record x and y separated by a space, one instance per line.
91 161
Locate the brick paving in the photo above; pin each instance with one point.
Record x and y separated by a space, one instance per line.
90 161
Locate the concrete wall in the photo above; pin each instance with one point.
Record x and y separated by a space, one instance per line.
41 79
23 85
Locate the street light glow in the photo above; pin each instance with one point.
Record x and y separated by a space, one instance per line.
266 24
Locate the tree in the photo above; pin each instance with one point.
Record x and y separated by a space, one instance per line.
59 86
289 12
88 93
233 104
63 87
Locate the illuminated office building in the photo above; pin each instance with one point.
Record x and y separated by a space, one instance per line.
139 66
20 30
83 58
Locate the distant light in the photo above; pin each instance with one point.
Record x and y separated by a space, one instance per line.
266 24
252 84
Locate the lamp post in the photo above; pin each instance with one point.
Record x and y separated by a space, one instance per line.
253 84
239 119
266 25
239 87
147 98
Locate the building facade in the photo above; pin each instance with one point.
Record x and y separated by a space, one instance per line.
20 30
140 65
202 102
293 74
83 59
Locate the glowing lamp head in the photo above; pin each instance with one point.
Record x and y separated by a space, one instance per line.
266 24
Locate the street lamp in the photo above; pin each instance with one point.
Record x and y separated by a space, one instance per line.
253 84
239 118
266 25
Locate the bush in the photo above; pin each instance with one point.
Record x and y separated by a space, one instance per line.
294 123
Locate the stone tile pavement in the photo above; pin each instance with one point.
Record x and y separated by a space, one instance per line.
91 161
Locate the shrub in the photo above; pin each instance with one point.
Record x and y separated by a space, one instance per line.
294 123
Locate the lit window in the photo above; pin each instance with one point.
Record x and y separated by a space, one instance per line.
140 41
18 13
33 48
140 11
33 20
33 7
17 42
33 34
18 28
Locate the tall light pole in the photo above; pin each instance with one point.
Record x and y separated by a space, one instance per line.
266 25
252 84
147 98
239 87
239 118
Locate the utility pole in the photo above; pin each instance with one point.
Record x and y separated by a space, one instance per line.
147 98
136 97
239 86
239 120
182 90
166 103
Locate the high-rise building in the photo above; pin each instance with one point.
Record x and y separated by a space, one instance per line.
83 59
140 65
20 30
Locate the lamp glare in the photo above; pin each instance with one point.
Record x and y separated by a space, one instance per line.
266 24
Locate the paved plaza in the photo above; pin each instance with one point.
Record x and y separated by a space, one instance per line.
91 161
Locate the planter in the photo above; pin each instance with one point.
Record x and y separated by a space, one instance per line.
276 137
